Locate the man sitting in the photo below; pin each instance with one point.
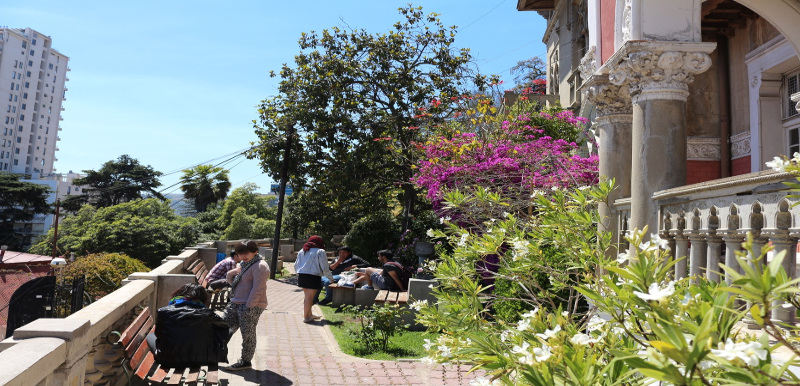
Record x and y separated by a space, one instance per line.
346 261
216 276
386 278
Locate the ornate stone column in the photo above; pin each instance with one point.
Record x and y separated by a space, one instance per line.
714 243
697 254
733 243
613 129
658 75
682 253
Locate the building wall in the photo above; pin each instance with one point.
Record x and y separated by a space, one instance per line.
32 87
61 185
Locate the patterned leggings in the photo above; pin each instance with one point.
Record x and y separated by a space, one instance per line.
241 317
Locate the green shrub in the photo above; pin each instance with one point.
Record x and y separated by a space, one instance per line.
371 234
263 229
104 272
241 225
377 324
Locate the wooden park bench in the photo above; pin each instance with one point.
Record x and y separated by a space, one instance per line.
139 361
389 297
220 297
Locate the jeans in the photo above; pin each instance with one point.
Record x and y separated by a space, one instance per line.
325 283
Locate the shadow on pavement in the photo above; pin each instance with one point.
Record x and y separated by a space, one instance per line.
265 377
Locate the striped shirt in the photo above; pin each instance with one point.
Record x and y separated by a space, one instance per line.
220 269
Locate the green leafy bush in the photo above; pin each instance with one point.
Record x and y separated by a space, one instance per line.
377 324
263 229
241 225
371 234
104 272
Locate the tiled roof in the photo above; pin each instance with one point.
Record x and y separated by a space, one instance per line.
11 257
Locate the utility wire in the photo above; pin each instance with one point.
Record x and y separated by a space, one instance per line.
482 16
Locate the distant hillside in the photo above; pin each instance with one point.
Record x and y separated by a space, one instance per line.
180 206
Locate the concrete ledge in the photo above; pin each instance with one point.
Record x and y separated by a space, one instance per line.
168 267
32 361
109 309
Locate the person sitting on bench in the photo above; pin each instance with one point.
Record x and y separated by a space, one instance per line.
216 276
386 278
188 333
346 261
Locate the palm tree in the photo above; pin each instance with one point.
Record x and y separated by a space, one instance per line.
205 184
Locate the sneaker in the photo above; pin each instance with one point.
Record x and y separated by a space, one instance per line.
324 301
366 287
238 366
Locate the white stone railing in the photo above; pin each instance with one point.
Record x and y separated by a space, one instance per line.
708 222
74 350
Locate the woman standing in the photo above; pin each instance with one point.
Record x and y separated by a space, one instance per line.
248 299
311 265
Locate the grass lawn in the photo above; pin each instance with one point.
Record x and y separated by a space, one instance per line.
404 345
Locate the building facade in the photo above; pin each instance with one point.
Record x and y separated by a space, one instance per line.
61 185
689 100
32 89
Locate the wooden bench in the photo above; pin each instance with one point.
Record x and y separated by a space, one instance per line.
389 297
139 360
220 297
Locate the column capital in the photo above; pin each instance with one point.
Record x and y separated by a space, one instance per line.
659 70
613 102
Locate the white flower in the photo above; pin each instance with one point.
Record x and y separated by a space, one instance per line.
565 313
753 352
443 219
428 344
595 323
417 305
520 349
463 241
750 353
796 157
778 164
506 214
582 339
554 188
542 353
427 360
430 233
654 292
549 333
625 256
584 187
661 243
504 335
444 351
530 314
523 324
481 381
537 193
520 248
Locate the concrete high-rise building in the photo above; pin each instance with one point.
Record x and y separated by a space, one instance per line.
32 88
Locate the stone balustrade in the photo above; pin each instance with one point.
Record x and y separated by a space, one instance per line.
706 224
74 350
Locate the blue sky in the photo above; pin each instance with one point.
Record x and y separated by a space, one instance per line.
175 84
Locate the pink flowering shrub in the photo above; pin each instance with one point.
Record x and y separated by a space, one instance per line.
517 159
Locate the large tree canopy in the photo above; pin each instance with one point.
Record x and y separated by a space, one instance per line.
118 181
205 184
148 230
356 102
19 201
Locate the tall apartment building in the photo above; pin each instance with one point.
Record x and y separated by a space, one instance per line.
32 88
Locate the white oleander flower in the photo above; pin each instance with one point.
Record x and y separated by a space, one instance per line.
430 233
582 339
523 324
463 241
595 323
427 360
537 193
584 187
655 292
428 344
444 351
531 314
517 349
749 352
622 258
418 305
547 334
778 164
505 334
542 353
481 381
661 243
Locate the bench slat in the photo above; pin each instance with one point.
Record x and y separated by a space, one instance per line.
402 298
146 362
139 339
134 327
381 297
159 375
177 375
212 377
194 373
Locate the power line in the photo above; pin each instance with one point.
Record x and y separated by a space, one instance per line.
482 16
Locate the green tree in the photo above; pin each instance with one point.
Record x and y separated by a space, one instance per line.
205 184
263 229
247 197
356 102
19 201
118 181
241 225
530 74
148 230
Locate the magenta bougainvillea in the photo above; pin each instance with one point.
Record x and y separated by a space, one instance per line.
518 159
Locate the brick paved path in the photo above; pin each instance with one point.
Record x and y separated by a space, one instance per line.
291 352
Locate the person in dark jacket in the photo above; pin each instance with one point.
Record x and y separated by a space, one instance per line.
188 333
346 261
